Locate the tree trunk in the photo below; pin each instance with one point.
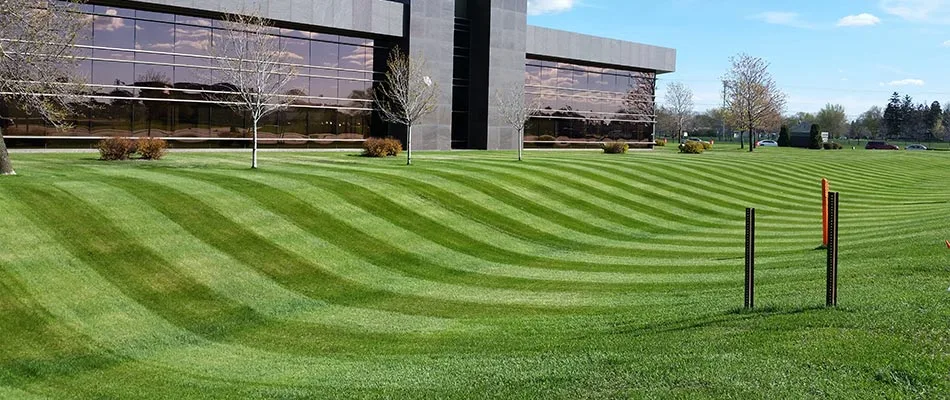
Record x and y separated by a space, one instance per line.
520 144
408 144
254 147
6 167
751 142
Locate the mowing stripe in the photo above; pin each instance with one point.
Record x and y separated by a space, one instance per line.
314 221
231 278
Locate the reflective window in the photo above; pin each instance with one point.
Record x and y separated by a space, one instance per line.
151 75
587 103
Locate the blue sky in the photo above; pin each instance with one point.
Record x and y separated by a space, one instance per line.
850 52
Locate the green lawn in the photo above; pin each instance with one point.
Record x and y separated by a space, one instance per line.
569 275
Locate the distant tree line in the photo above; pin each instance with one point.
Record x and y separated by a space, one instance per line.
900 119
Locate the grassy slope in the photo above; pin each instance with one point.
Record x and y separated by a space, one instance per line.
567 275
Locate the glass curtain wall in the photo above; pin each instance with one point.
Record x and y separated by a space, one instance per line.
589 104
150 74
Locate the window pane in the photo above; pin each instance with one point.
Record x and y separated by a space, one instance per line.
322 122
297 51
323 54
112 73
192 40
111 117
154 16
154 37
114 11
323 87
226 123
153 118
354 57
192 120
113 32
187 77
188 20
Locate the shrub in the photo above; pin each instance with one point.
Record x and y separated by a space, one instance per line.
660 142
616 147
151 148
692 148
815 134
376 147
707 145
546 138
116 148
784 138
832 146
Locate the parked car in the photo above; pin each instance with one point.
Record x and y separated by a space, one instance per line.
915 147
692 139
880 145
766 143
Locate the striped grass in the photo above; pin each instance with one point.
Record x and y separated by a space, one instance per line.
568 275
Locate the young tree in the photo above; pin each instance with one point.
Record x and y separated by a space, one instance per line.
38 62
935 121
870 123
815 134
252 62
832 119
665 122
407 94
784 139
516 109
753 99
679 102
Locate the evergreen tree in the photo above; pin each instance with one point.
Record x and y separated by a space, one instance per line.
815 137
784 140
908 116
892 116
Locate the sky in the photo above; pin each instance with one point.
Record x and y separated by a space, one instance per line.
849 52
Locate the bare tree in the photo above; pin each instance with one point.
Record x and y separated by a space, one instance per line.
38 62
753 99
517 109
407 94
250 60
679 103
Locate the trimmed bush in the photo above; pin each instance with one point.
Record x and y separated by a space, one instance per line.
376 147
616 147
707 145
832 146
116 148
784 138
660 142
545 138
151 148
692 148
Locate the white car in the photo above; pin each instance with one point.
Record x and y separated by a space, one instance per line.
767 143
916 147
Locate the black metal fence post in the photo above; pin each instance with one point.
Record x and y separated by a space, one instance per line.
749 258
831 278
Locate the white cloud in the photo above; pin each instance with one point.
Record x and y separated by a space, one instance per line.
863 19
905 82
782 18
946 43
538 7
930 11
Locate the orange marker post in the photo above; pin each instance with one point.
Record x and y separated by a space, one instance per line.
824 211
948 244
